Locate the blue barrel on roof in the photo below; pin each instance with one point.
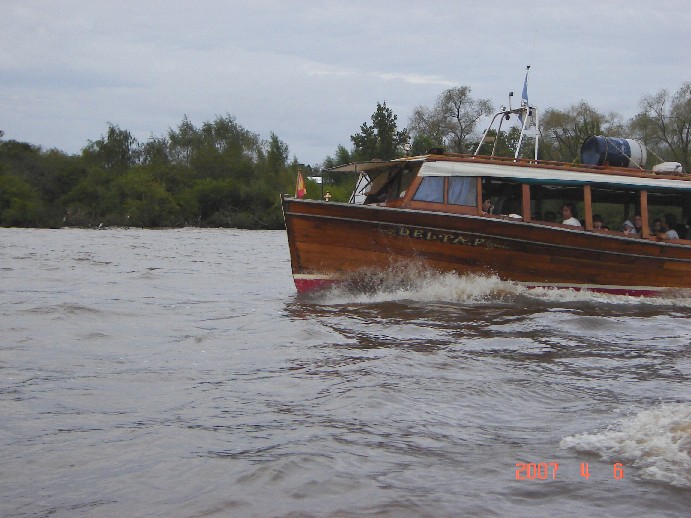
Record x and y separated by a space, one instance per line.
613 151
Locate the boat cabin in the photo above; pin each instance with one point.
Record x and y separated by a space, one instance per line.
525 190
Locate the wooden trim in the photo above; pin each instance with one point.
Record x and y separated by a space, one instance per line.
431 206
527 216
588 200
479 195
644 214
412 189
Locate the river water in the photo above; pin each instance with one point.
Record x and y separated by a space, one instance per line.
178 373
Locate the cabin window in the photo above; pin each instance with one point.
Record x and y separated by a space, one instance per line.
504 194
463 190
431 189
678 204
613 205
403 182
546 202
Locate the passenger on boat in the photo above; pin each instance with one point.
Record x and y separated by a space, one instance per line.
487 206
683 230
629 229
638 225
657 225
598 223
568 213
667 231
550 216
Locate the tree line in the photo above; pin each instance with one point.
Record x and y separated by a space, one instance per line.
221 174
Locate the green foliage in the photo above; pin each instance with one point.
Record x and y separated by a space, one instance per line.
19 203
115 152
422 144
382 139
219 174
341 157
144 201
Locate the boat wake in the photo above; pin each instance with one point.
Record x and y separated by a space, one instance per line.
657 442
415 282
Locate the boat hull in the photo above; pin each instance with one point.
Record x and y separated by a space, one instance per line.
331 241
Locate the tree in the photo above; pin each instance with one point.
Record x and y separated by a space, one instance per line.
183 142
664 125
143 201
564 131
224 148
88 201
451 121
156 151
19 202
342 156
116 151
277 154
380 140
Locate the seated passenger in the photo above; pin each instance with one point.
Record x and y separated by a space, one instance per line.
667 232
550 216
638 224
657 226
629 229
598 223
568 213
487 206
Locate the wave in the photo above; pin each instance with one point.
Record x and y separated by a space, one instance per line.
415 282
657 442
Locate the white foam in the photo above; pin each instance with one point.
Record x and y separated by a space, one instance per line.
415 282
418 284
657 442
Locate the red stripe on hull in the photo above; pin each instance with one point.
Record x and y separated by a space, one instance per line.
307 285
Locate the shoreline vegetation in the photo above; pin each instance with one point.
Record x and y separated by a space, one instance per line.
222 175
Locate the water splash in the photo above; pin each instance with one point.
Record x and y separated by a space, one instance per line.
657 442
416 282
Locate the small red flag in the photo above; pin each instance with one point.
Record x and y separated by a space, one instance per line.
300 190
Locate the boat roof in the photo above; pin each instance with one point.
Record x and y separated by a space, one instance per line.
525 171
374 165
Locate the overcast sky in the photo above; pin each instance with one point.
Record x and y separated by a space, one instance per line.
313 71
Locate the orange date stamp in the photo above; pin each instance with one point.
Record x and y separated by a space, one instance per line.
548 470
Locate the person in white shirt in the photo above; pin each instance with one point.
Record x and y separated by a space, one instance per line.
568 213
667 223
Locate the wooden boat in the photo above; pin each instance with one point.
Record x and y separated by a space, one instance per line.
428 210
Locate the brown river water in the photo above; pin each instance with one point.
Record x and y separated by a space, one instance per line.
177 373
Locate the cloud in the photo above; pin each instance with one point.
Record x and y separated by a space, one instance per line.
321 69
312 72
